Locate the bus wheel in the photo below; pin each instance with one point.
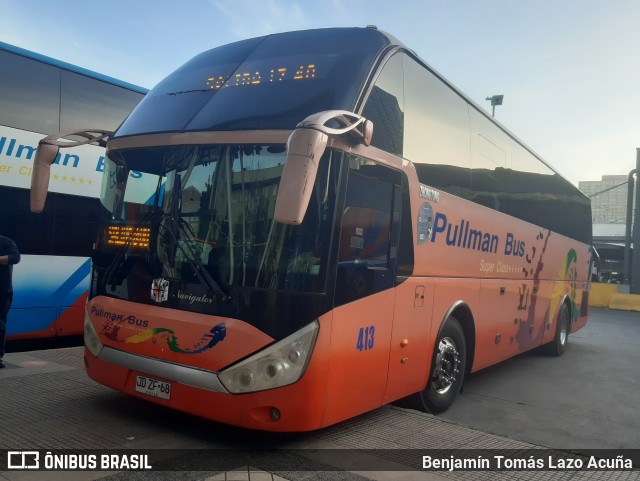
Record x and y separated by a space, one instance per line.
559 343
447 369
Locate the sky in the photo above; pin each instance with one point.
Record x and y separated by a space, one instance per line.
569 70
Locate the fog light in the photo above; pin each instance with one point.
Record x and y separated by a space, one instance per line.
245 378
275 414
273 369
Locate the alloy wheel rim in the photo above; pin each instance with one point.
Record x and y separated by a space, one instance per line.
447 366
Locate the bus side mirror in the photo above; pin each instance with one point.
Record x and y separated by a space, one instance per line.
304 149
45 156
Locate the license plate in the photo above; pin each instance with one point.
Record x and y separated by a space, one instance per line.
153 387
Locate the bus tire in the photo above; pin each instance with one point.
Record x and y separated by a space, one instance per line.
559 343
447 368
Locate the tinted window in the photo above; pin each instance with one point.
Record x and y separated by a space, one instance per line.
500 173
29 94
273 82
508 178
90 103
542 197
32 233
436 131
75 226
368 232
385 107
405 248
66 226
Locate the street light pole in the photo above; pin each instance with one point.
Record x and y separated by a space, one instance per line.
635 272
627 237
495 100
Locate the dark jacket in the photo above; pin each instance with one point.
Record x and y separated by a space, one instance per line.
7 248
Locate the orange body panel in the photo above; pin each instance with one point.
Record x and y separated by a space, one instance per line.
70 322
512 275
411 338
357 376
301 404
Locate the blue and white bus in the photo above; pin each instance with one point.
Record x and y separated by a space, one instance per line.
40 95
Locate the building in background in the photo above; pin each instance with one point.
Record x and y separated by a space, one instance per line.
609 214
608 198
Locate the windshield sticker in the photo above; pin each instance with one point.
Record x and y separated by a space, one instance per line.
430 194
425 223
159 290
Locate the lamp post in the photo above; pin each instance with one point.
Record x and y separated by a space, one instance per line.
495 100
635 262
628 238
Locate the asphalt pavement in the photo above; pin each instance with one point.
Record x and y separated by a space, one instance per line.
50 405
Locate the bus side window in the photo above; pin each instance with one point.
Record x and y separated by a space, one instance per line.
75 226
31 232
366 261
385 108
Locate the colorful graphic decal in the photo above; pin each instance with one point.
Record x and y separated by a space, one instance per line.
112 329
571 275
568 272
527 298
517 254
207 341
530 334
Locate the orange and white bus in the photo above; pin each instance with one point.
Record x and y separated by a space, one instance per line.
321 224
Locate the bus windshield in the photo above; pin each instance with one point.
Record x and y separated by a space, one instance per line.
201 217
271 82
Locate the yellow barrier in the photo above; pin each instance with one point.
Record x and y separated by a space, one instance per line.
600 294
625 302
607 295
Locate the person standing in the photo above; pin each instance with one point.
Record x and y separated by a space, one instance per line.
9 255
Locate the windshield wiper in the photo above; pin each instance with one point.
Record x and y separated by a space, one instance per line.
117 263
200 272
180 92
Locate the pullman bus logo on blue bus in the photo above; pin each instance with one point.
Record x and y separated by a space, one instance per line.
159 290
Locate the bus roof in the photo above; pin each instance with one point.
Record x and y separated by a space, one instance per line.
70 67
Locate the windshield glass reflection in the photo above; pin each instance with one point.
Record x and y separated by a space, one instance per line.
207 212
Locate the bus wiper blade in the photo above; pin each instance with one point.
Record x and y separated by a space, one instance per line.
201 273
180 92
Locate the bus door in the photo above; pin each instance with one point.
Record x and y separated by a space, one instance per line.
364 295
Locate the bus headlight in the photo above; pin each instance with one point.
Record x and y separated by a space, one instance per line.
278 365
91 338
